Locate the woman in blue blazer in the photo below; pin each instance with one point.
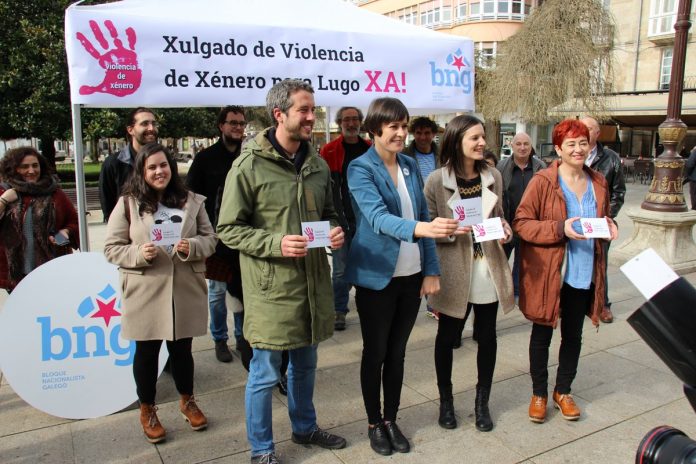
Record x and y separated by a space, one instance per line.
392 262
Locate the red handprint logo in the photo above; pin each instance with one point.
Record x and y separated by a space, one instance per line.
156 235
461 214
122 75
588 227
310 233
480 230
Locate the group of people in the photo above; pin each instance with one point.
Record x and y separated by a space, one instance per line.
393 236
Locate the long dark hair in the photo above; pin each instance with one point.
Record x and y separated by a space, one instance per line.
451 154
13 158
174 195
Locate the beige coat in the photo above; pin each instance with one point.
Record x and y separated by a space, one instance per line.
149 290
456 252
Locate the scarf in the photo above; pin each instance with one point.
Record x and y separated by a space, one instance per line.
43 217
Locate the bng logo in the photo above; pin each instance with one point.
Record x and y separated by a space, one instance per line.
456 73
98 336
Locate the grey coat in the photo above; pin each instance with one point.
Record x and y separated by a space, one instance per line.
456 252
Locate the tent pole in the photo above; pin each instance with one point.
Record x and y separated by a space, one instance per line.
80 177
328 123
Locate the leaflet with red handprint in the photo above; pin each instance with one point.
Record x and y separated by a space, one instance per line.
468 211
157 235
595 227
317 233
489 229
122 75
164 234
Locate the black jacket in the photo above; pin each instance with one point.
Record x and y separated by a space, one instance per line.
690 167
113 175
207 175
608 163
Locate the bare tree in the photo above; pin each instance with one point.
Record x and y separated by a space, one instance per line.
559 61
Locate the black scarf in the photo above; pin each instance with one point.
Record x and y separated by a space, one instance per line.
40 196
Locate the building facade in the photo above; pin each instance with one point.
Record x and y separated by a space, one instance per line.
643 49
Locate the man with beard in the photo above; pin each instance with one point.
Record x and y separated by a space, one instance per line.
277 184
338 154
207 177
141 130
423 147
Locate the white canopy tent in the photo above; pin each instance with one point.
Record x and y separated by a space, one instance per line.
216 52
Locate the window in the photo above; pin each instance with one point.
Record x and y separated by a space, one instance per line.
663 14
666 68
485 53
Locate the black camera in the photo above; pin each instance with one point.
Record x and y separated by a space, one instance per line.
667 323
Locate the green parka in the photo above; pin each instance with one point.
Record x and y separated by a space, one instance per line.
288 302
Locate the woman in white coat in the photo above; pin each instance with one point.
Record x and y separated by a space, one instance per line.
163 289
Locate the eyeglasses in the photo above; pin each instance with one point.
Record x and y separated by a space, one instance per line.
353 119
236 123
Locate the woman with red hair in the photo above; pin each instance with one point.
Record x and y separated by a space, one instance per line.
561 271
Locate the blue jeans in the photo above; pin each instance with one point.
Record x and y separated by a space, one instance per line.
341 288
264 374
217 291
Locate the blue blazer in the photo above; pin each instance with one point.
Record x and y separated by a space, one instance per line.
380 229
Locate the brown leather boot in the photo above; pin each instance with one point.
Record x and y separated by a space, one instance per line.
154 432
193 415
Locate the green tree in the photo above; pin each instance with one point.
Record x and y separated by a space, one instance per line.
34 95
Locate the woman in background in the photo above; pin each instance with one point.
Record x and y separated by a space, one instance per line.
37 220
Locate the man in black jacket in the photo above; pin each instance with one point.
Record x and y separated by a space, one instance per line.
142 129
207 176
606 161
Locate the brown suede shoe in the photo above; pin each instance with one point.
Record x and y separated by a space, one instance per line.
566 403
606 316
193 415
537 409
154 432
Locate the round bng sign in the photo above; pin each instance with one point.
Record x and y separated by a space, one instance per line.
60 339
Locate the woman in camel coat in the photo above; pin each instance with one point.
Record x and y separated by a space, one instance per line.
163 289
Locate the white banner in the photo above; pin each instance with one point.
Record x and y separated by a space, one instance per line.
60 339
214 54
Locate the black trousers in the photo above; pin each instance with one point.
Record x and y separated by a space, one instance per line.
145 362
387 317
449 329
574 306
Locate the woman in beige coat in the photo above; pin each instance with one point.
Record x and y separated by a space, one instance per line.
163 289
473 274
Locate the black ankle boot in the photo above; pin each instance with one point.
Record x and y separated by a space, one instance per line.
447 419
483 415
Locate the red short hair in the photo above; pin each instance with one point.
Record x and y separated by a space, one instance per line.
569 128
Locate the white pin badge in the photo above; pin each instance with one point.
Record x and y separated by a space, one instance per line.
406 171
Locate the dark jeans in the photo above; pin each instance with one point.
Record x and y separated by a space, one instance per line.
145 363
574 306
386 319
449 328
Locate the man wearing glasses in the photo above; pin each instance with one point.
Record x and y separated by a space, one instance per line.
338 154
141 130
207 177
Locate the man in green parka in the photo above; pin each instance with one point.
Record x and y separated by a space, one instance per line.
277 183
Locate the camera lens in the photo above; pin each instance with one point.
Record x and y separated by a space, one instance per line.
666 445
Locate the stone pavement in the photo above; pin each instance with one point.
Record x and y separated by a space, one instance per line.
623 389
